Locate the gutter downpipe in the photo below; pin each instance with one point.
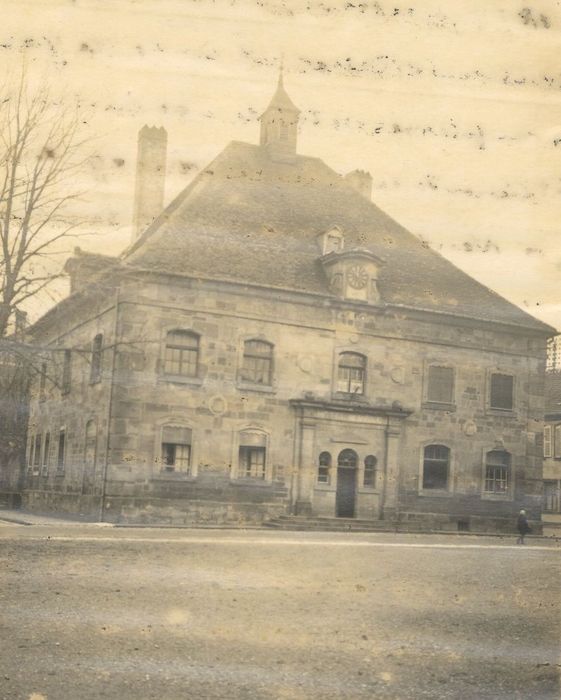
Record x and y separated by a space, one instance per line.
113 363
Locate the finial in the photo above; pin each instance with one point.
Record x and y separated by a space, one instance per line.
281 71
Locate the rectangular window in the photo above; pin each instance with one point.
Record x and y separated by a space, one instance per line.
97 356
440 387
351 373
181 354
61 450
502 390
557 442
46 450
42 381
176 449
370 472
323 468
547 442
257 362
436 464
67 371
37 453
30 444
252 462
497 472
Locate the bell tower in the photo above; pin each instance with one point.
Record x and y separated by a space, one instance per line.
279 123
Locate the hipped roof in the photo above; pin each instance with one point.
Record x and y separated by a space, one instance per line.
251 218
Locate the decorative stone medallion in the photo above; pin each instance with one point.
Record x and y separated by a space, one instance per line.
470 428
217 405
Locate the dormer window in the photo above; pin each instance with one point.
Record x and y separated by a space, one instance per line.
352 274
331 241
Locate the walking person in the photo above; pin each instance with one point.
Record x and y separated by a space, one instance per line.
522 527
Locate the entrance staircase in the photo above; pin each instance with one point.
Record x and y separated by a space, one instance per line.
326 524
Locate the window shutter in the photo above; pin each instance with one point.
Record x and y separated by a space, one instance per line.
547 451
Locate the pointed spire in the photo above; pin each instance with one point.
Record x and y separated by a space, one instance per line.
280 99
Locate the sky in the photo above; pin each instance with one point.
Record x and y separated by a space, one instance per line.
454 108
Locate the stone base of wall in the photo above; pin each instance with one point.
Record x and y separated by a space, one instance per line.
84 507
464 523
165 511
10 499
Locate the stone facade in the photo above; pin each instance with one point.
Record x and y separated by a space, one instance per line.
299 415
552 445
232 397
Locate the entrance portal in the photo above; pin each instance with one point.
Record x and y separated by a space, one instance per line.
346 484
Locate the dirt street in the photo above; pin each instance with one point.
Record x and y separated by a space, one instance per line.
132 614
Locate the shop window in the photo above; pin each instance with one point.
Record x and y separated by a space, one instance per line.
436 466
257 367
176 449
181 354
351 373
370 471
502 392
440 387
324 465
497 472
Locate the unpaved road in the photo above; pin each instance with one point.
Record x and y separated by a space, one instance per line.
93 612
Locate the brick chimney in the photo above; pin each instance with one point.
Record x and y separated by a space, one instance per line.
361 181
150 177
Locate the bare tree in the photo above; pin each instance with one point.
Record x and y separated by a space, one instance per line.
39 156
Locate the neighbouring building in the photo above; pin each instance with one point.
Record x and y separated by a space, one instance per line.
552 437
273 343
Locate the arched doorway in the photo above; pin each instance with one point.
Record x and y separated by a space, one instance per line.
347 464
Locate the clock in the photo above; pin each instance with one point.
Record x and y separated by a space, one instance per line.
357 277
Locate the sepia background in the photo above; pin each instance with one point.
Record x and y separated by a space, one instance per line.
454 108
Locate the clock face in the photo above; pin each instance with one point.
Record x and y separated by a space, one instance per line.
357 277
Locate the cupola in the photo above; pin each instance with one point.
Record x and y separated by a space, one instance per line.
279 123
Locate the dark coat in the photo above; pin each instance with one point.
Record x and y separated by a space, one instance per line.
522 525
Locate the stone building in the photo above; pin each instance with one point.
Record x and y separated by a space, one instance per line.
552 445
274 343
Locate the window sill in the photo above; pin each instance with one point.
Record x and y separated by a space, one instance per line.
258 388
436 493
345 396
368 489
506 412
437 406
173 476
251 482
324 487
179 379
496 497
